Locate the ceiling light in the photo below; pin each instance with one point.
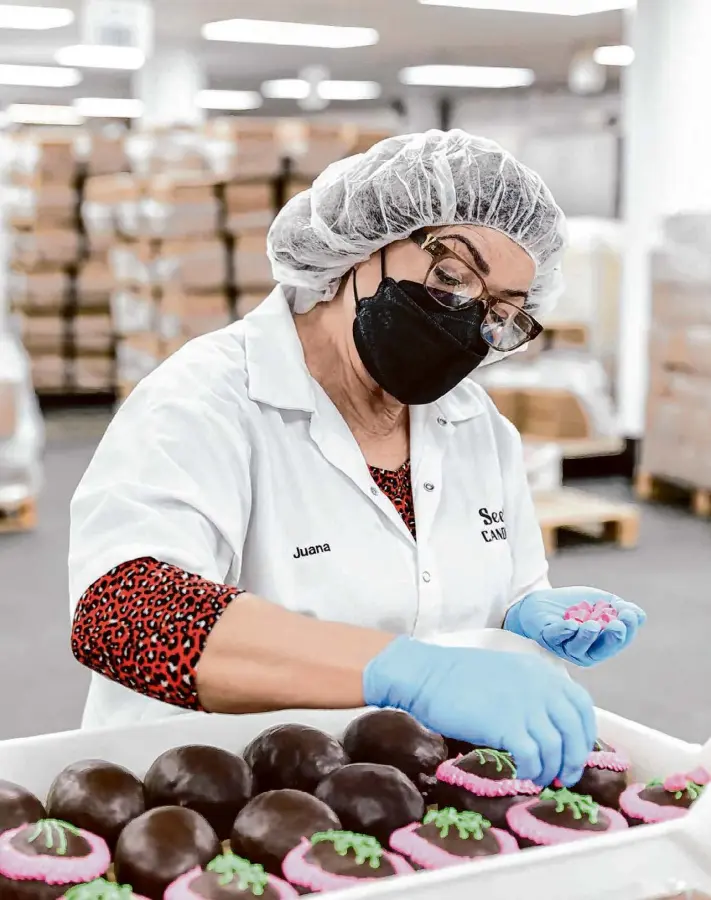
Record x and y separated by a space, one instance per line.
34 18
349 90
295 34
615 55
36 114
286 89
229 100
467 76
550 7
299 88
39 76
108 108
98 56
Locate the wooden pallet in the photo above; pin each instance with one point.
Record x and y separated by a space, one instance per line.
24 518
654 487
588 514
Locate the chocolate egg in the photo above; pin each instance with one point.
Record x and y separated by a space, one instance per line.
372 799
293 756
213 782
97 796
392 737
275 822
161 845
17 806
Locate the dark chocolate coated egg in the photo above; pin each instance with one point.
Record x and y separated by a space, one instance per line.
160 846
17 806
273 824
392 737
213 782
98 796
372 799
293 756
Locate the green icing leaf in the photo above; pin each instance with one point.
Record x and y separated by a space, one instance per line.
579 804
500 757
100 889
228 866
470 825
365 848
54 832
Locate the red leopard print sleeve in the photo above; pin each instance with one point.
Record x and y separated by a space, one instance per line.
145 623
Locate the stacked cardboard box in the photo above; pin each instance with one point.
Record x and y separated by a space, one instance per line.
677 441
59 283
166 231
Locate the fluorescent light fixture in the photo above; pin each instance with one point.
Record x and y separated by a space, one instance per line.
108 108
614 55
349 90
467 76
298 89
36 114
39 76
294 34
549 7
229 100
34 18
97 56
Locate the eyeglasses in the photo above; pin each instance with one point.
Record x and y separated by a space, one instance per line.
454 284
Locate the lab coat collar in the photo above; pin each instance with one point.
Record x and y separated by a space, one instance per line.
276 369
278 374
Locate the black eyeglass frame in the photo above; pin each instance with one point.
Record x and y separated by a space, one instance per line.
439 251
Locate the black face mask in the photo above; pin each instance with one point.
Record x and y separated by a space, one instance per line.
412 346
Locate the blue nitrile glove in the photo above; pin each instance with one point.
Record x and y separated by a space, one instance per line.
509 701
540 617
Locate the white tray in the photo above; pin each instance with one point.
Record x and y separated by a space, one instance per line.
643 863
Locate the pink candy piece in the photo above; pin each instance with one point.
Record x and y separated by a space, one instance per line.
18 866
449 773
525 825
584 612
180 889
298 870
410 844
636 807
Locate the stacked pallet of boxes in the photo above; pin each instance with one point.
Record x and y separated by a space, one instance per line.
188 229
677 440
60 282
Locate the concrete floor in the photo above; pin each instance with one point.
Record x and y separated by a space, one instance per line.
662 680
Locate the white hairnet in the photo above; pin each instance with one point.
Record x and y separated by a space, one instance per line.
364 202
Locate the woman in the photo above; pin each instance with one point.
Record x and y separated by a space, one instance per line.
280 513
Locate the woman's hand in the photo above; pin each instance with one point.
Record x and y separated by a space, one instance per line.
509 701
588 635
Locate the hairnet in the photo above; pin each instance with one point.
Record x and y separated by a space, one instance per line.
364 202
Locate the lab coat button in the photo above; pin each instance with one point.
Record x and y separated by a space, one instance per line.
374 491
429 486
426 577
441 421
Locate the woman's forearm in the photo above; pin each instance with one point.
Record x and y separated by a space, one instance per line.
189 642
260 656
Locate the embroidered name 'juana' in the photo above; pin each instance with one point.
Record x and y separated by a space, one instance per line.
312 551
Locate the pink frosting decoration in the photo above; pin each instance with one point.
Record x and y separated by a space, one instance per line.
298 870
522 823
409 843
584 612
449 773
608 759
700 776
180 888
636 807
19 866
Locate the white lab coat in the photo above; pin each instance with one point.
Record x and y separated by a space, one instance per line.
230 457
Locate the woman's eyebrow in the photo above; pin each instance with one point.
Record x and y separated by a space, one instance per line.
483 265
479 260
